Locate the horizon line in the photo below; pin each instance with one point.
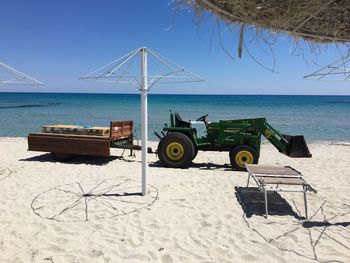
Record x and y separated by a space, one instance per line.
172 94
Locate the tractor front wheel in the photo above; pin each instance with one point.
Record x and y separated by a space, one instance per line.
242 155
176 150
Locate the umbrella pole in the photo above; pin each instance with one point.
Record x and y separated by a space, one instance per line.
176 74
144 122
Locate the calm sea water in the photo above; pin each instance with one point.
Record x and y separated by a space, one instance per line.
318 118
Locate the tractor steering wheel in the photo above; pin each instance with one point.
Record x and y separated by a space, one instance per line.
203 119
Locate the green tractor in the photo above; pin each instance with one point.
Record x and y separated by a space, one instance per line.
180 142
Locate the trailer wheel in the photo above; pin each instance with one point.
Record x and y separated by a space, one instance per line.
176 150
241 155
61 157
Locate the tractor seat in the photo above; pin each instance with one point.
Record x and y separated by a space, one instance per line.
181 123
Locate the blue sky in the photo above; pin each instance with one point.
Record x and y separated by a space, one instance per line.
59 41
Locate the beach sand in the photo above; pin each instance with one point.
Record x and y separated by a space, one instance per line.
68 212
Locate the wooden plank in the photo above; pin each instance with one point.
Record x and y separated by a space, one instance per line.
281 180
69 144
60 135
272 170
121 129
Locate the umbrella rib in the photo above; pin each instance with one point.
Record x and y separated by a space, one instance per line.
125 71
112 69
103 67
191 73
122 63
157 78
165 62
20 75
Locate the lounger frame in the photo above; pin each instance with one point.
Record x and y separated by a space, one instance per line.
269 178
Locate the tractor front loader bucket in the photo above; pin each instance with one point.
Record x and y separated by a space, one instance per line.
296 146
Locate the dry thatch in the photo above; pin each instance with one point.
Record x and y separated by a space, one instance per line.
318 21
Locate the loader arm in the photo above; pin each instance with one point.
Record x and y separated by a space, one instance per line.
292 146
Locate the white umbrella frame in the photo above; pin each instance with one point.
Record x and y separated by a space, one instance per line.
176 75
338 70
22 79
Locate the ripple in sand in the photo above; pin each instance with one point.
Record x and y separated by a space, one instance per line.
4 173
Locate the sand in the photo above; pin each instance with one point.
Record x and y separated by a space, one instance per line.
68 212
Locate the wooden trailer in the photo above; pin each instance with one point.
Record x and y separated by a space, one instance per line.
64 141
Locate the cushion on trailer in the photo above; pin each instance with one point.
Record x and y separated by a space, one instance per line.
75 129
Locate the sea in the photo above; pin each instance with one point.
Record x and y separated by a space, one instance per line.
318 118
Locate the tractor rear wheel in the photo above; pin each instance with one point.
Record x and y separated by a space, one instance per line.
242 155
176 150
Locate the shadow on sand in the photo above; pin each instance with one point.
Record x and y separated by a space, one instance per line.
253 203
212 166
92 160
309 224
200 166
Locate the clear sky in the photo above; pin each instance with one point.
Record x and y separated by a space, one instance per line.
59 41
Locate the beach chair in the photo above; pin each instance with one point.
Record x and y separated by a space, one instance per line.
271 178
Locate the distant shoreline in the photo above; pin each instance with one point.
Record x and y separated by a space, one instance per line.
316 142
173 94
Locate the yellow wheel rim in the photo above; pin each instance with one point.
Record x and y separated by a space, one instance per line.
244 157
175 151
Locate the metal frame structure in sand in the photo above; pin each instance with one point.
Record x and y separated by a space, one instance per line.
268 178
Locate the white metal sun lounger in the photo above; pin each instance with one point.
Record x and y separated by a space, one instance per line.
268 178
